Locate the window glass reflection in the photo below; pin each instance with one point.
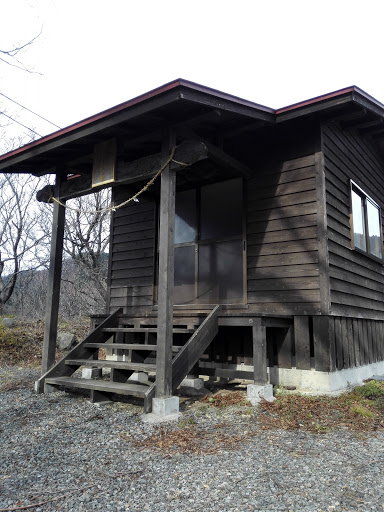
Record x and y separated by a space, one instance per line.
358 221
185 217
374 229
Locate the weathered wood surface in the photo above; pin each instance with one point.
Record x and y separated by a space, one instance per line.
216 154
285 338
132 254
321 343
165 279
190 353
106 386
353 341
121 365
188 152
53 289
81 351
302 342
356 281
282 239
259 338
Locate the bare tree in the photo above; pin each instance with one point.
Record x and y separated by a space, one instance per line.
11 56
86 241
21 239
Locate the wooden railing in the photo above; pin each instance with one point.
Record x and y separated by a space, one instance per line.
61 369
189 354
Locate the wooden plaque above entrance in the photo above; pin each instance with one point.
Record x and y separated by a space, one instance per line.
104 160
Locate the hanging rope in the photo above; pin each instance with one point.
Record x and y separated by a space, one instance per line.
133 198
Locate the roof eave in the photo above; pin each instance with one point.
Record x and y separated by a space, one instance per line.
168 93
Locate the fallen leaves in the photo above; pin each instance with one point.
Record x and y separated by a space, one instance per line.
224 398
319 414
190 440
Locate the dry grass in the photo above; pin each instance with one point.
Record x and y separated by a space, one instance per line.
22 345
362 409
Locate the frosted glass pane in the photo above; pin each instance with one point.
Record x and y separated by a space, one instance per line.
184 289
185 217
374 230
221 273
358 221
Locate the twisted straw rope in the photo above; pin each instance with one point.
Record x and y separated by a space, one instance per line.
146 187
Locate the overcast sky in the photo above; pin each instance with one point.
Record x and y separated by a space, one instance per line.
94 54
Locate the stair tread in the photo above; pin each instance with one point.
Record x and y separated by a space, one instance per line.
176 330
128 346
122 365
122 388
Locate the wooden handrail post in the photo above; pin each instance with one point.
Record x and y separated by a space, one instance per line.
54 280
166 276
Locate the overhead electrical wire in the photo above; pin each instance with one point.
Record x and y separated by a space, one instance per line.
29 110
21 124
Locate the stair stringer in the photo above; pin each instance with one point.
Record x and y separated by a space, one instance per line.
190 353
61 369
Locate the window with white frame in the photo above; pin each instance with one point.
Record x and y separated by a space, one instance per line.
365 223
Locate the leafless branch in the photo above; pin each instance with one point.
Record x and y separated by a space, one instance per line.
10 56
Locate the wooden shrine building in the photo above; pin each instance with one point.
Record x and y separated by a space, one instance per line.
257 252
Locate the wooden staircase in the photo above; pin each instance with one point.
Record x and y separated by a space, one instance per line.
142 355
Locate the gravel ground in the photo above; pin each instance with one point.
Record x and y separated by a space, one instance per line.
98 457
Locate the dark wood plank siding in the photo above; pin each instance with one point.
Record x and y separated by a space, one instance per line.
355 341
282 244
356 281
132 254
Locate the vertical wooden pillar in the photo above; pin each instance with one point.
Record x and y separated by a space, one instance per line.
302 342
166 278
54 280
259 335
321 343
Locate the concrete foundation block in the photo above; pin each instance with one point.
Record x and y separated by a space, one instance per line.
256 393
192 382
163 409
140 377
165 406
91 373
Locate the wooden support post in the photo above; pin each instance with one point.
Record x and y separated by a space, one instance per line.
321 343
259 335
302 343
54 281
166 273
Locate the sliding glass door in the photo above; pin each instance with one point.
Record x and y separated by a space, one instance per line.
209 245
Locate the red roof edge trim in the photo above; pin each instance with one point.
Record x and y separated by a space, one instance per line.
97 117
316 99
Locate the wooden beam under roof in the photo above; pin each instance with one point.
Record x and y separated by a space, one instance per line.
371 127
188 152
216 154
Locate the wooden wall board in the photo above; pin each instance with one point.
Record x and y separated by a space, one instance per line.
356 281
